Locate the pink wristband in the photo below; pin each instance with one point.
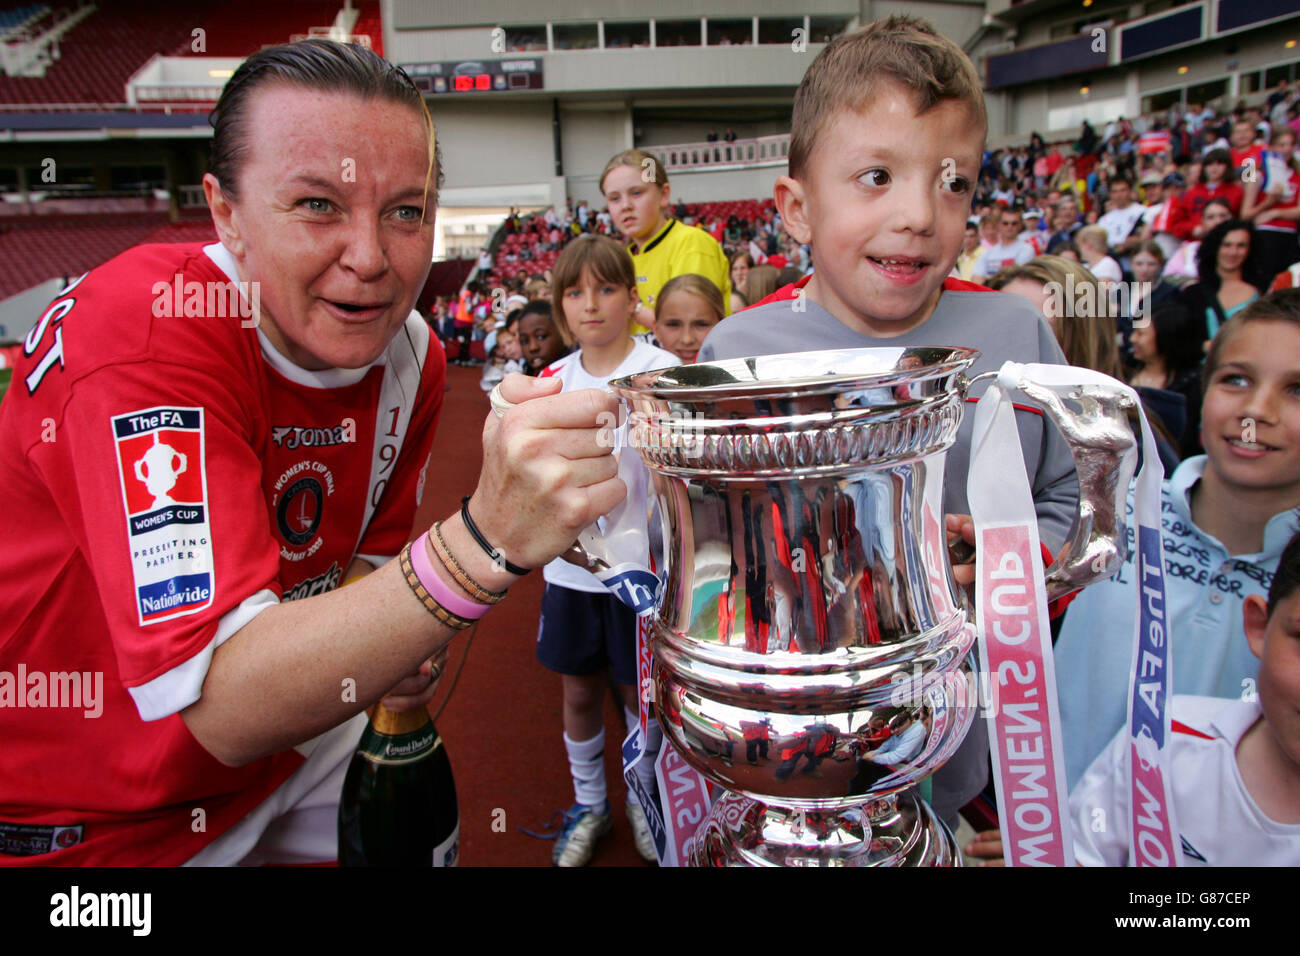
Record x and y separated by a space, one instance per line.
439 590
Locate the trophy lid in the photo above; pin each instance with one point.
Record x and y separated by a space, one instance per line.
797 373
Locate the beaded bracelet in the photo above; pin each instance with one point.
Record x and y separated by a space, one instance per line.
425 598
496 556
472 587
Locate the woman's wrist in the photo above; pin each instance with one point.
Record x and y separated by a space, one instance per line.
490 574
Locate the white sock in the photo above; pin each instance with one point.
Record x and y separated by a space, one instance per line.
587 765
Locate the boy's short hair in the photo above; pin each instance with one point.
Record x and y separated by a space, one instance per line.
905 50
1280 306
1286 579
1094 237
607 259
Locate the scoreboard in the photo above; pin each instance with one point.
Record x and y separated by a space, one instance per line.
476 76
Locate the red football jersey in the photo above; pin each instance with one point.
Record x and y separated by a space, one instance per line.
167 475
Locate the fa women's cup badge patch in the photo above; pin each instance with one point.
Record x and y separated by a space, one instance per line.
165 491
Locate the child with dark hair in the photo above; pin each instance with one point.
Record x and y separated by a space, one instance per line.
1217 181
540 340
1168 353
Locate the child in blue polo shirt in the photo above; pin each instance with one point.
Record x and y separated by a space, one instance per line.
1226 517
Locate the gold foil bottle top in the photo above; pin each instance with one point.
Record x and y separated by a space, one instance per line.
394 723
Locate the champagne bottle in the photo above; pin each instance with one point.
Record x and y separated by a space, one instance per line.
399 797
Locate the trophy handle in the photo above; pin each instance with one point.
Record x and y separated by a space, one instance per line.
1104 447
587 551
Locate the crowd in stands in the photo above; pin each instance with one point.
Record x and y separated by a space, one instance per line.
1185 216
1182 218
761 254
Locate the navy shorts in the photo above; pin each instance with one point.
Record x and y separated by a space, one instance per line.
583 633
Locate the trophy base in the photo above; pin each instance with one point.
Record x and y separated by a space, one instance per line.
898 830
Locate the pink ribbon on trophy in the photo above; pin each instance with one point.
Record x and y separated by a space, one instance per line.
1015 640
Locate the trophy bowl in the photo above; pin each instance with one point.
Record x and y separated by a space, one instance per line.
814 656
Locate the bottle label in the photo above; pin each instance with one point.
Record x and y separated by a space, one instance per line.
403 748
447 853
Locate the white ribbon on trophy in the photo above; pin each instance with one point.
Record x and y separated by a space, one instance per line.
1015 641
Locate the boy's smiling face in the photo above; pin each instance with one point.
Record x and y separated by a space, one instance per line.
883 200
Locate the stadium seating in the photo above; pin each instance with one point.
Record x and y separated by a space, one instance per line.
242 27
368 22
31 254
512 244
100 53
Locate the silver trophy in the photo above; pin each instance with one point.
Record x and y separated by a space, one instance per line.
814 655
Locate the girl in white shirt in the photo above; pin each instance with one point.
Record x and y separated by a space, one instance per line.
586 632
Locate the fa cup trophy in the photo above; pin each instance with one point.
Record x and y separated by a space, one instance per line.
814 657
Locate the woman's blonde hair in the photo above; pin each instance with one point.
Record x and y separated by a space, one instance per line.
1086 335
696 285
606 259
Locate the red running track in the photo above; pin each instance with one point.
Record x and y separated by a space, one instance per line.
502 724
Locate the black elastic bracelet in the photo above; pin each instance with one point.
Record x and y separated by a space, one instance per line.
496 556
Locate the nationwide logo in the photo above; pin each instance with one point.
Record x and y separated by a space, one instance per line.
299 436
174 596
